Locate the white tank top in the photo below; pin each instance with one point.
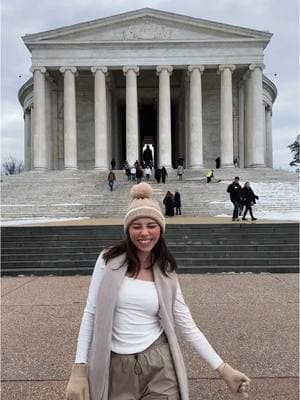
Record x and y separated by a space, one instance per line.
136 324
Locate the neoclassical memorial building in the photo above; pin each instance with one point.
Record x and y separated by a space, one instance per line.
188 87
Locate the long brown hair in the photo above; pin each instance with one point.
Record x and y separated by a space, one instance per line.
160 254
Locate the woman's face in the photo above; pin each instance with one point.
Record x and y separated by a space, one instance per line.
144 234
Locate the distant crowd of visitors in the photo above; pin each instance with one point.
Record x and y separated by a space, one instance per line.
242 198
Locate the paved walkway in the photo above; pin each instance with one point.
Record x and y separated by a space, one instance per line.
251 320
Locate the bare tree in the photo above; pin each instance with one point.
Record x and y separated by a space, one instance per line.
295 147
12 166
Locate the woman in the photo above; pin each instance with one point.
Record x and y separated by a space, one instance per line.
169 204
164 174
127 346
248 199
177 202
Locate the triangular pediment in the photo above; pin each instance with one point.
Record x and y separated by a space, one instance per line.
147 25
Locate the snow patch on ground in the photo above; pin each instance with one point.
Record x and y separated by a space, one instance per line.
33 221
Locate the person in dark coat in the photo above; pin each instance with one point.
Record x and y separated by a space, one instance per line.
177 202
111 178
169 204
249 199
218 162
235 191
113 163
164 174
157 175
139 174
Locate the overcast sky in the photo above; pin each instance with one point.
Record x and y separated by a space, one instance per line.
281 55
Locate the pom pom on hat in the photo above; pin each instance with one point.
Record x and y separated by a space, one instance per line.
141 191
142 205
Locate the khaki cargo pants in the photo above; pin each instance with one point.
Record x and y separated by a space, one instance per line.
149 375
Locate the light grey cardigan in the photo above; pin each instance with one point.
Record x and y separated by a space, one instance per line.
99 354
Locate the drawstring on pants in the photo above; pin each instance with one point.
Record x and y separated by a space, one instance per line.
137 366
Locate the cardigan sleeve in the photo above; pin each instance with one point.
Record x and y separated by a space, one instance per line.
191 333
87 322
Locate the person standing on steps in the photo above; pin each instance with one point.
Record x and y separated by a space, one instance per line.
180 171
164 174
235 191
127 346
177 202
249 199
169 204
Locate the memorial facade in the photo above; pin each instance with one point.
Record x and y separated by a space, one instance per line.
189 88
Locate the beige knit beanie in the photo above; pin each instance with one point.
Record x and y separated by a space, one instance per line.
143 205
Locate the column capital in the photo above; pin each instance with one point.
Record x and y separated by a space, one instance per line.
64 69
99 68
134 68
252 67
191 68
41 69
222 67
161 68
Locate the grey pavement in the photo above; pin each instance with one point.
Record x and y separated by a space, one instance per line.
250 319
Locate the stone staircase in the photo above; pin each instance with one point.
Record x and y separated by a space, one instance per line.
69 250
71 194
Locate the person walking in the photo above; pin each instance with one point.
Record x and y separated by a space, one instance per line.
127 346
180 171
209 175
157 175
177 202
218 162
235 191
133 173
111 179
148 172
169 204
249 199
164 174
113 163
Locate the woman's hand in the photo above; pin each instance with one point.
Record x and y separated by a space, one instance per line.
235 380
78 386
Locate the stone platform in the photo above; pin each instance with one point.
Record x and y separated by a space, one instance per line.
251 320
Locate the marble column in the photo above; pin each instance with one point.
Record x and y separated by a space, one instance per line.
39 121
164 124
27 140
226 123
269 143
101 132
132 138
70 128
195 117
241 126
256 134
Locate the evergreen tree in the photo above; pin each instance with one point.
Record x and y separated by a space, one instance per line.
294 147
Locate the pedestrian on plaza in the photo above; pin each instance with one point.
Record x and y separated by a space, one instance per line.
147 155
157 175
180 171
164 174
139 174
218 162
177 202
235 162
249 199
127 346
169 204
148 172
111 178
209 175
113 163
133 173
127 170
235 191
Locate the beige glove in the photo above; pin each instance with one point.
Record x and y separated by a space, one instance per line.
78 386
235 380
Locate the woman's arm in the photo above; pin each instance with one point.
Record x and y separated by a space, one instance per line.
191 333
87 322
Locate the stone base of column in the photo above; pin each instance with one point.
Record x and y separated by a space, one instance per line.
257 166
195 166
101 169
70 168
39 169
227 165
